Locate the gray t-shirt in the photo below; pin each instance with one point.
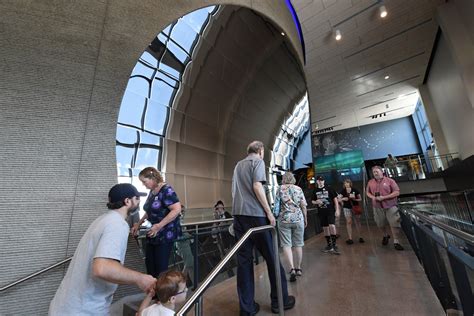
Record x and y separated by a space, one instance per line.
244 200
80 293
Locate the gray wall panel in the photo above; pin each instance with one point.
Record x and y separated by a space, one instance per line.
64 69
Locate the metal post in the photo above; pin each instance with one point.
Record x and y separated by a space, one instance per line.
213 274
198 307
278 273
469 210
196 260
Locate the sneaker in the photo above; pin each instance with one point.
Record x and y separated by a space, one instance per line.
327 248
398 246
290 303
335 251
349 241
292 275
299 272
385 240
361 240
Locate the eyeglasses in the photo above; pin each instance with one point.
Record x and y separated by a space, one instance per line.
181 292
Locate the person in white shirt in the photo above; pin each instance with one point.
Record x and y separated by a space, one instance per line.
97 267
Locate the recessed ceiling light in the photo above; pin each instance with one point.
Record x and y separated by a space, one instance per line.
386 77
283 33
383 11
338 35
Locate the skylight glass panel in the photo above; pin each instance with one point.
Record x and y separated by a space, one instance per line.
150 139
138 85
178 52
126 135
161 92
184 36
148 59
132 109
156 118
142 70
196 19
170 71
146 157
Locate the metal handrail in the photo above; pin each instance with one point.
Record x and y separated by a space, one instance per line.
6 287
32 275
213 274
453 231
208 222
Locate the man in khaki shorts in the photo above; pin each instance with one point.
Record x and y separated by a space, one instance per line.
383 192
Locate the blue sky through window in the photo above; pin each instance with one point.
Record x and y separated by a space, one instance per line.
149 96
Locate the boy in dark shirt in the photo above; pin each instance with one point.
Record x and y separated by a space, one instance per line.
325 198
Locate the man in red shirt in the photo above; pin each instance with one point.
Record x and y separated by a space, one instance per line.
383 192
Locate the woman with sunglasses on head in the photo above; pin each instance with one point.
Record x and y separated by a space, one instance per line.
162 209
351 204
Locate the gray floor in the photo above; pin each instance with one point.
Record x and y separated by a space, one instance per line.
366 279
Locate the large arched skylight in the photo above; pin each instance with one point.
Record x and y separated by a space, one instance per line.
292 131
151 91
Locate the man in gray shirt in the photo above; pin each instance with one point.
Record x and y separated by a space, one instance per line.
251 209
97 267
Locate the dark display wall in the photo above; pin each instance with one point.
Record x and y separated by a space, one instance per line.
397 137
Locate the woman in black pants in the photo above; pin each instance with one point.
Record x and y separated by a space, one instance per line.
162 209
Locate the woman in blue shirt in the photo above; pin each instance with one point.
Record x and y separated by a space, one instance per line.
162 209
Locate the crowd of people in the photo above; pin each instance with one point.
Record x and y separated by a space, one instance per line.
97 267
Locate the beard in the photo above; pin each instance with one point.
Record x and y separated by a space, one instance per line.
132 209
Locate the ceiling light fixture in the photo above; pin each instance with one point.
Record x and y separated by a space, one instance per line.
338 35
386 77
283 33
383 11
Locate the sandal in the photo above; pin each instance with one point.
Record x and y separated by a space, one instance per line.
299 272
292 275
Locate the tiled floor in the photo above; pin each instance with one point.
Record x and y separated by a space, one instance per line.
366 279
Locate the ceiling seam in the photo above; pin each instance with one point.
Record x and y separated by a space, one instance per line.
395 83
388 38
396 63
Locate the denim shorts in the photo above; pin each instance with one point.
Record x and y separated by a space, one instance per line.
291 234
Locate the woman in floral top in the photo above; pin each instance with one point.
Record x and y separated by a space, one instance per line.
162 209
292 221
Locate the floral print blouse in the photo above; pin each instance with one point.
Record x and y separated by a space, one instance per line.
156 208
291 198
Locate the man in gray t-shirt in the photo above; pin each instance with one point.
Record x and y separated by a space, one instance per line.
97 265
250 209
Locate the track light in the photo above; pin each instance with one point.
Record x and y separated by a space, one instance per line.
338 35
383 11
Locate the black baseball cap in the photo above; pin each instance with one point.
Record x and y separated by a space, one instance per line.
320 178
121 191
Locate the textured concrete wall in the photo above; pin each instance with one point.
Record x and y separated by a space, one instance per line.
64 66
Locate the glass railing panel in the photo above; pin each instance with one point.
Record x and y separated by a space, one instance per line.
449 207
446 254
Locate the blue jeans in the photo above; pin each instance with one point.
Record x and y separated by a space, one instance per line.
245 276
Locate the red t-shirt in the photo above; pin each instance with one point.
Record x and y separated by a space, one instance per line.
385 186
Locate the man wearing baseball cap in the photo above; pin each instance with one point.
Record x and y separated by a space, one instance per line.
97 267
